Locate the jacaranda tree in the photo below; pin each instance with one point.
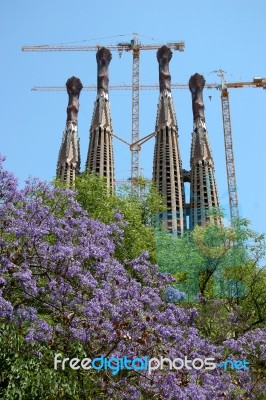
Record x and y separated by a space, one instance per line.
63 291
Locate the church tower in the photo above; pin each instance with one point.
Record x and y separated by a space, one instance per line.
167 167
69 156
203 192
100 157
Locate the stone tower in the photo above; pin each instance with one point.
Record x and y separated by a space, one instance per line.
203 192
167 168
100 157
69 156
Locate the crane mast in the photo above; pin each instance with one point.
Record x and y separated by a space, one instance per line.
229 156
229 151
228 140
135 168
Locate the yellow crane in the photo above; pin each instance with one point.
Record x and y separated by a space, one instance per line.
228 140
135 46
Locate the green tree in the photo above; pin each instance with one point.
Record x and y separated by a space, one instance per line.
219 268
137 207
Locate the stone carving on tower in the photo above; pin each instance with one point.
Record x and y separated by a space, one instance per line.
203 191
167 168
100 157
69 155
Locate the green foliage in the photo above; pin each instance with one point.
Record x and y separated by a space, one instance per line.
204 254
76 306
27 371
250 308
137 208
219 270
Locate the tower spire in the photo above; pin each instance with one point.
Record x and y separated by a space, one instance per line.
167 169
69 155
203 192
100 157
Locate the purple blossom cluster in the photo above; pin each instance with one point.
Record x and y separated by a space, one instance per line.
61 284
172 295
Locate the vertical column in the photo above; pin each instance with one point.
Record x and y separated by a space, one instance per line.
100 154
103 58
69 155
167 166
203 192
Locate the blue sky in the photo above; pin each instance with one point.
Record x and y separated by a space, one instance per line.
228 34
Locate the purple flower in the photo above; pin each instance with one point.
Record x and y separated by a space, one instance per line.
63 285
41 331
172 295
6 308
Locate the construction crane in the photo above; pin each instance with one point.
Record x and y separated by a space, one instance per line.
257 82
135 46
121 87
228 142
